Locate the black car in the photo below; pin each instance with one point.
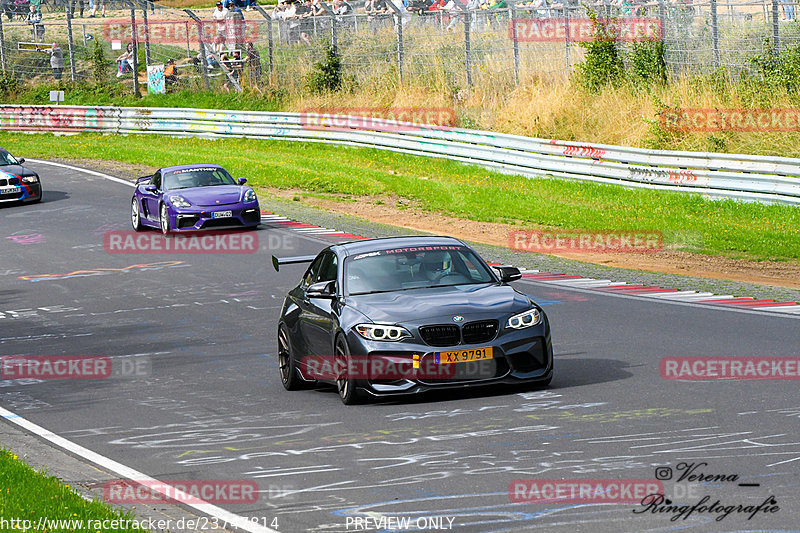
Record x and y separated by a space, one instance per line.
405 315
17 183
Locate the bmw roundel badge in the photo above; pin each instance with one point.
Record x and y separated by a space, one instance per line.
458 318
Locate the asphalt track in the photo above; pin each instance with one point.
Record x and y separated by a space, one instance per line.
212 407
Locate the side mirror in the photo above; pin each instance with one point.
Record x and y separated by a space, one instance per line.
150 188
322 289
21 160
508 273
241 181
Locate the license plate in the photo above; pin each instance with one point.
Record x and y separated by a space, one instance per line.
8 190
222 214
463 356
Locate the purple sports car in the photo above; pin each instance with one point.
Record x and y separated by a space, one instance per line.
191 198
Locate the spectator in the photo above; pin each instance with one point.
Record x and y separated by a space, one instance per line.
234 24
72 8
56 60
170 73
102 4
788 9
375 9
279 11
405 16
342 8
254 63
219 15
233 64
417 6
303 12
125 61
34 18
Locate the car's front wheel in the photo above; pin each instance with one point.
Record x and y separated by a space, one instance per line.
164 219
136 218
286 361
344 383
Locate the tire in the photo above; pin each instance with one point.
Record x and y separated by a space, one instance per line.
286 362
164 220
136 216
344 385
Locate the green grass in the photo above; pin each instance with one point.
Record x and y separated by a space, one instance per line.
29 495
734 229
117 95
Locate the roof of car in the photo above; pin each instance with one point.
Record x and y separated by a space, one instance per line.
184 167
388 243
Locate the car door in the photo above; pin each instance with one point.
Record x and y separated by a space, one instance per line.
317 320
151 198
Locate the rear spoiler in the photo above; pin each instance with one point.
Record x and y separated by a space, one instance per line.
142 178
276 262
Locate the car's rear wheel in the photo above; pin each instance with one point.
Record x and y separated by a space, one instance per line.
164 219
344 383
286 361
136 218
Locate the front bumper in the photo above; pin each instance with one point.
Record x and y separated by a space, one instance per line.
202 218
519 356
25 192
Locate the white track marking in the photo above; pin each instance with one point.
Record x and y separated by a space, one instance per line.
124 471
230 518
90 172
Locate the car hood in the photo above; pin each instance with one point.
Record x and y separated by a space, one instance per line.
440 304
16 170
210 196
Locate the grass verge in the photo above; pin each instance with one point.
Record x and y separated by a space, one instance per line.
728 228
26 494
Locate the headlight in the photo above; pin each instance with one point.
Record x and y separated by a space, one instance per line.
382 332
250 195
179 201
524 320
30 179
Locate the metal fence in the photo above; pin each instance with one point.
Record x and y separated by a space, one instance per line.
454 47
745 177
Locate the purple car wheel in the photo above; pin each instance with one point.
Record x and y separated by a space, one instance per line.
136 219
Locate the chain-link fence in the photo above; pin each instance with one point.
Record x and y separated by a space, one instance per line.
446 44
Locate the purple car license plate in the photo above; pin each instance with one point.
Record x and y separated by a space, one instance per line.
222 214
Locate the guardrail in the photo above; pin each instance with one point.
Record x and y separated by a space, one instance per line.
744 177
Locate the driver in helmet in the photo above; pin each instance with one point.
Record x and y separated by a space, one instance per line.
435 264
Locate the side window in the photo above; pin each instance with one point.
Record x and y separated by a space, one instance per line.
329 268
156 180
313 270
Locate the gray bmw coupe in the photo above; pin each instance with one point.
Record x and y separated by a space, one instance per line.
405 315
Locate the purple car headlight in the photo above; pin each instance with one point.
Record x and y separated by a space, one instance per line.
249 196
179 201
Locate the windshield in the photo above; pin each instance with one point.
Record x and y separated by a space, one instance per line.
197 177
415 267
7 159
